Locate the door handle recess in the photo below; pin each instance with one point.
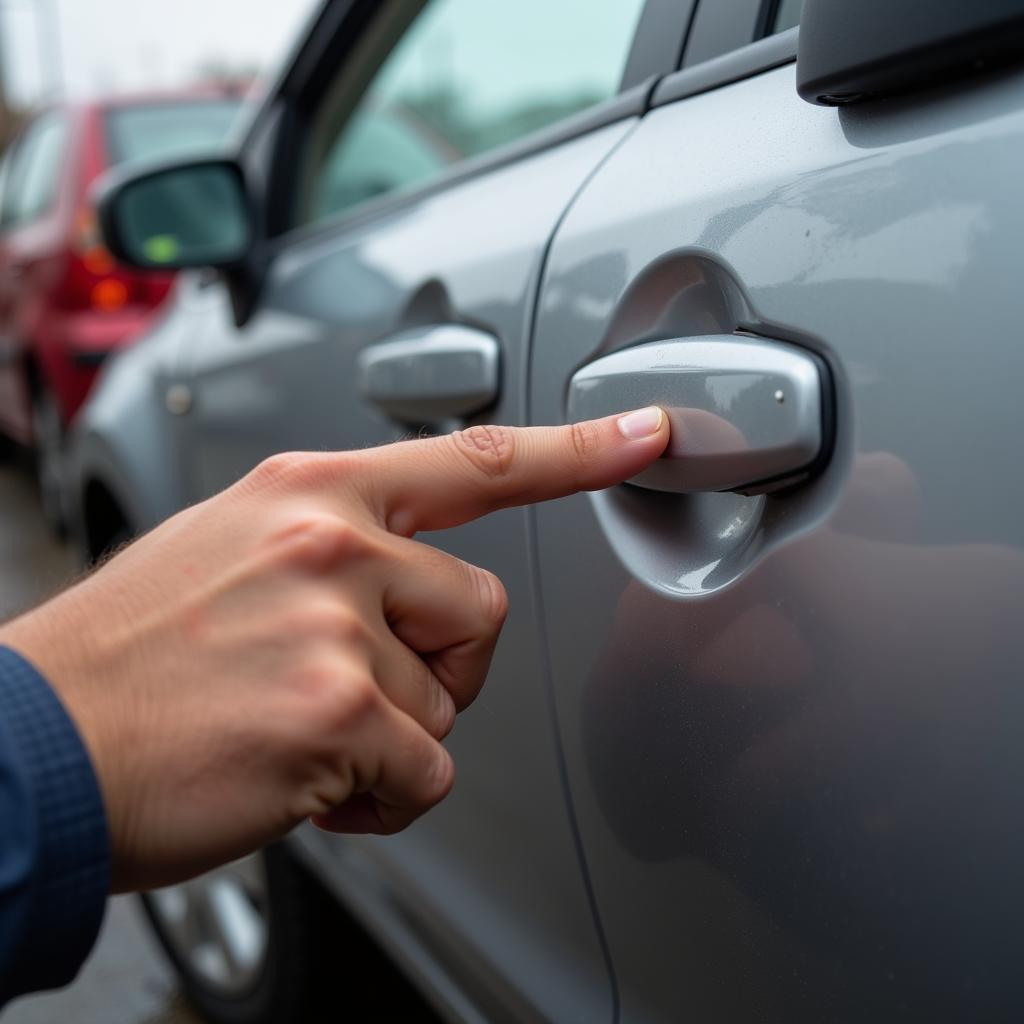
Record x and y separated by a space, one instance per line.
430 373
747 414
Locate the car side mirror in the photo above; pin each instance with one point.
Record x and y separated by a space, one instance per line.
852 51
187 214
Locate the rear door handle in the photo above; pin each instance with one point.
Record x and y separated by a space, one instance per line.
431 373
747 414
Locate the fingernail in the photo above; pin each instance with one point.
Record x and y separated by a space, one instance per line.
642 423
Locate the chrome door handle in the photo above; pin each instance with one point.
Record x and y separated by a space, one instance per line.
747 414
430 373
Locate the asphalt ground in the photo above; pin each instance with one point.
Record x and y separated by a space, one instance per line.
125 981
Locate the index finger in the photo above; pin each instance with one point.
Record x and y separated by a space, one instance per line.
439 482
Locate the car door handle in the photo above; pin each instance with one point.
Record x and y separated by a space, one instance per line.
747 414
431 373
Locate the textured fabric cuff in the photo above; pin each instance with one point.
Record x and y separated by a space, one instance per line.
63 893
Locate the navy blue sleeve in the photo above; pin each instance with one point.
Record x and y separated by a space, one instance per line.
54 846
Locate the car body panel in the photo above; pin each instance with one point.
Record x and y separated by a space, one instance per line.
126 441
791 723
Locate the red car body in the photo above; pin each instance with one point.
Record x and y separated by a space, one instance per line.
65 305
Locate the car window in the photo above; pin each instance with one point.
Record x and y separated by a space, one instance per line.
34 172
463 78
787 15
162 130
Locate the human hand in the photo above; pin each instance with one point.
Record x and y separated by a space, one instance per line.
286 650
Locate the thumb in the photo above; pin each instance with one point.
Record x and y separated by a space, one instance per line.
439 482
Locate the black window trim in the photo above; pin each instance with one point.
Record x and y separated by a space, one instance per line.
745 62
660 36
658 43
721 26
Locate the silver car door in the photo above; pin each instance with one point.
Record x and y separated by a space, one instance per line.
792 719
394 256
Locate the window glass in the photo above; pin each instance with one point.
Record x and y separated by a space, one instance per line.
34 173
465 77
158 130
787 15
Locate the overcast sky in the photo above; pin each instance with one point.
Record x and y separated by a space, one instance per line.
123 45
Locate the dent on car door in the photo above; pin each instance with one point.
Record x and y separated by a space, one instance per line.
492 875
792 720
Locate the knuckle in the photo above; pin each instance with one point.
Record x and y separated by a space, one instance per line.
349 627
276 471
584 438
300 471
328 619
317 540
353 701
314 680
488 449
338 697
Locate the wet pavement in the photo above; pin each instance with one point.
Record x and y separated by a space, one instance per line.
125 981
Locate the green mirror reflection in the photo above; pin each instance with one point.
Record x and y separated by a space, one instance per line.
186 216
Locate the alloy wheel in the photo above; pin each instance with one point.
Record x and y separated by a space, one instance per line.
218 924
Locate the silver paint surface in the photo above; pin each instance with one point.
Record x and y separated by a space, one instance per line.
792 722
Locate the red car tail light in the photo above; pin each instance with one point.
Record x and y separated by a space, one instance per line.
93 280
108 295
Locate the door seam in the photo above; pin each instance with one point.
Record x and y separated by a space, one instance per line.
533 560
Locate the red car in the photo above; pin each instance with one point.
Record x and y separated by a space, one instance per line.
65 304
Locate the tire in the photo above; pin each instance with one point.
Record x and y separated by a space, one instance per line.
306 960
48 441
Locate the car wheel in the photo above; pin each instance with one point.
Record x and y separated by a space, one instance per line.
259 942
48 437
238 937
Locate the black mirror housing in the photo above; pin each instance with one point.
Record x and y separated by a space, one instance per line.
853 50
193 213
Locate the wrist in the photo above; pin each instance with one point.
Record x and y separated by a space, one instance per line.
59 885
57 641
